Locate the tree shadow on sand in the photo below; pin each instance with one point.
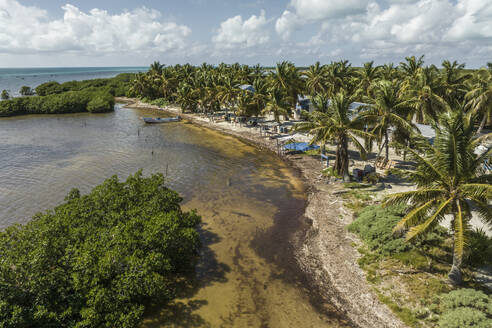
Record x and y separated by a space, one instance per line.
183 313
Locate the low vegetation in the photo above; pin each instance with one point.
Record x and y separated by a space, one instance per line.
410 277
97 260
94 96
66 102
116 86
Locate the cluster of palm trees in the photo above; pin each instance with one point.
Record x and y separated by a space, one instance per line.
394 96
456 102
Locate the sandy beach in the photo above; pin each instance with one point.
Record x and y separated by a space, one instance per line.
325 251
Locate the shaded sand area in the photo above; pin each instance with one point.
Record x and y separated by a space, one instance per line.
322 247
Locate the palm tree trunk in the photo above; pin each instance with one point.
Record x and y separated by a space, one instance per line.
482 124
454 275
341 161
386 144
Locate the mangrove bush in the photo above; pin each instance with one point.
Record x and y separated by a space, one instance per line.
97 260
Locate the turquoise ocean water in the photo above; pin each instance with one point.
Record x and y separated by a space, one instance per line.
12 79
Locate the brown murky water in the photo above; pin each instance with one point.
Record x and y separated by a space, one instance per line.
250 203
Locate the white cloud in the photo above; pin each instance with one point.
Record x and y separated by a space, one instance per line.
388 29
27 30
475 21
287 23
309 11
236 33
323 9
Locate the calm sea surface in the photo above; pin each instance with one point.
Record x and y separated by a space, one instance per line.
12 79
250 203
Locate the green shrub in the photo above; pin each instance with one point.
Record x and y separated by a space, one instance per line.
5 95
375 224
116 86
97 260
26 91
49 88
479 250
161 102
66 102
464 308
101 103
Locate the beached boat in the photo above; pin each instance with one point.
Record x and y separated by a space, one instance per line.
153 120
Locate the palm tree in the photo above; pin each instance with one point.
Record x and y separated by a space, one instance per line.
228 91
260 95
453 82
287 77
412 65
480 97
423 89
156 68
338 125
388 72
448 182
277 103
244 103
321 101
387 108
186 97
340 76
366 77
315 77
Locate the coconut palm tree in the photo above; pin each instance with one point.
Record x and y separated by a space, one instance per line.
424 89
366 77
315 77
287 77
321 102
449 182
411 65
480 96
453 80
228 91
388 72
277 103
260 95
340 76
388 108
337 125
156 68
186 97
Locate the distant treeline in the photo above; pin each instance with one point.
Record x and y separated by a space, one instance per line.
94 96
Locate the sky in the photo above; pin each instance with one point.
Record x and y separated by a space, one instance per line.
135 33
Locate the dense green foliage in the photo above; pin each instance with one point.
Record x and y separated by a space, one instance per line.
116 86
26 91
66 102
5 95
101 103
374 225
464 308
97 260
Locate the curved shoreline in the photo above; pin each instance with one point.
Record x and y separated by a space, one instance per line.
324 252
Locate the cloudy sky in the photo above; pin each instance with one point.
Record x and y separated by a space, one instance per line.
129 32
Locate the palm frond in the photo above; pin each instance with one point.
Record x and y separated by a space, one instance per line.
430 222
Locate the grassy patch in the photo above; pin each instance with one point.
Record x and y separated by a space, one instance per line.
411 278
405 314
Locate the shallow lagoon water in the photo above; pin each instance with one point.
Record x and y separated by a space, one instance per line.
250 203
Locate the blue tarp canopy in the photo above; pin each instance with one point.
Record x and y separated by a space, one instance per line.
300 146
